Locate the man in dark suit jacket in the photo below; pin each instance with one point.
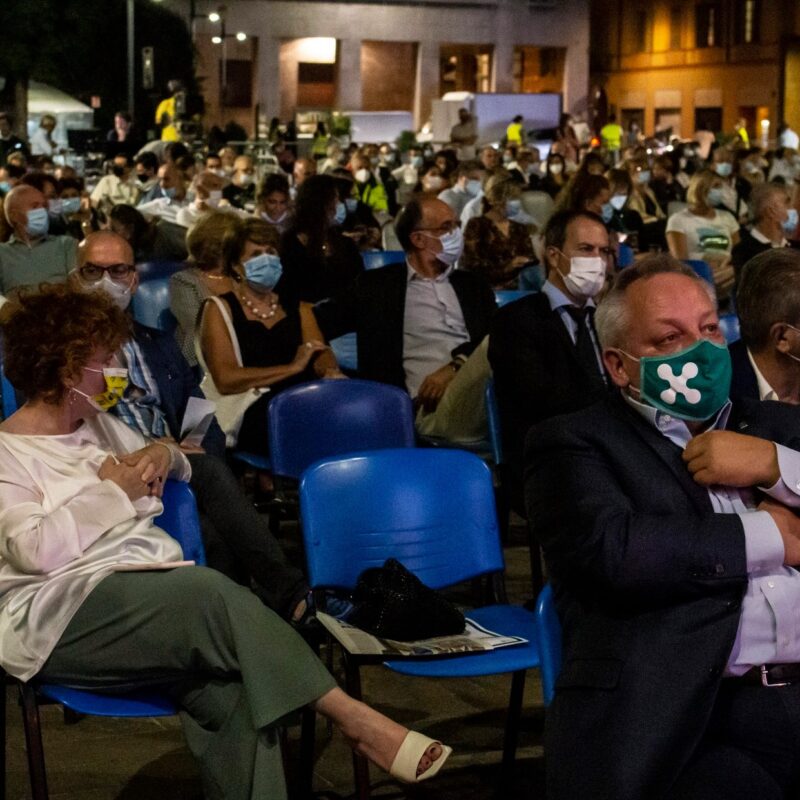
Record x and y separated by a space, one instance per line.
769 207
669 566
421 324
539 371
237 539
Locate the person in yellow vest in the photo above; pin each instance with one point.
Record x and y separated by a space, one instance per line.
165 113
741 131
611 134
370 190
514 132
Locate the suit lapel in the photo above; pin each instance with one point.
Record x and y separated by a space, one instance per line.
668 452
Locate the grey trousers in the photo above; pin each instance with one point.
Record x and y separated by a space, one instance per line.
235 668
238 540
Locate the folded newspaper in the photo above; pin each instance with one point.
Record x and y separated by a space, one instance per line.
474 639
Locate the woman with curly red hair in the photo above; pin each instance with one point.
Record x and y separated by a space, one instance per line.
78 494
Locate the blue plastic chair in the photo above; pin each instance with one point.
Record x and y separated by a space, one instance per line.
625 256
434 511
382 258
493 418
702 268
505 296
345 348
179 519
730 328
328 418
548 635
149 270
8 395
150 304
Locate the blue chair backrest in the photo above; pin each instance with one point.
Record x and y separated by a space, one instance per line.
149 270
432 509
548 635
702 268
181 520
531 279
8 396
329 418
505 296
493 418
625 256
730 328
150 305
382 258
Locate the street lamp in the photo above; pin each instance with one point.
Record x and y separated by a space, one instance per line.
214 16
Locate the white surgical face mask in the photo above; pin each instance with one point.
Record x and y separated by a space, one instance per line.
586 276
452 246
120 293
556 168
473 187
245 179
362 175
214 198
432 182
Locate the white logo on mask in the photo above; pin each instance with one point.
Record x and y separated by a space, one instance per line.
677 383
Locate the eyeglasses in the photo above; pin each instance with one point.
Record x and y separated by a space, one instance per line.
445 227
94 272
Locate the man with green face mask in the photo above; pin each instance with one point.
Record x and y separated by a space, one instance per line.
671 545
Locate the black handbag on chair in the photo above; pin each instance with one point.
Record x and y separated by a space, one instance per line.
393 603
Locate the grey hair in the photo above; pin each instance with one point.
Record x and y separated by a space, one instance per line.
762 196
612 319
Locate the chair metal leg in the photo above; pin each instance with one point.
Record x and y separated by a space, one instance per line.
3 686
512 726
33 742
305 779
360 764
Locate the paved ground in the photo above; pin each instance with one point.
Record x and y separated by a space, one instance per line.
109 759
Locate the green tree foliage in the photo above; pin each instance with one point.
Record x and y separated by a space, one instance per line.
80 47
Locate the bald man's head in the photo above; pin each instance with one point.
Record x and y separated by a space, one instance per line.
107 246
106 261
18 202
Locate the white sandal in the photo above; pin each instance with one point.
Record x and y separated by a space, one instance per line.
406 762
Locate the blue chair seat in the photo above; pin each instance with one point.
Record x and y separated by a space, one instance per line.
506 296
382 258
345 348
507 620
139 703
150 305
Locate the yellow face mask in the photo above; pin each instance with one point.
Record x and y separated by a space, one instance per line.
116 383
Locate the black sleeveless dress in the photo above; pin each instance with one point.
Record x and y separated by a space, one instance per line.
265 347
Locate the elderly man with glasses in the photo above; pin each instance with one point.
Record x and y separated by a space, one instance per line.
421 324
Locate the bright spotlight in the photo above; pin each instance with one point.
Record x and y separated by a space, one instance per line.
240 37
216 39
213 17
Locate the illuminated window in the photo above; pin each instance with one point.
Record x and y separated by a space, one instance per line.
708 25
675 25
640 32
747 21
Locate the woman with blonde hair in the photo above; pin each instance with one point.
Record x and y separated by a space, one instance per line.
494 244
704 233
210 241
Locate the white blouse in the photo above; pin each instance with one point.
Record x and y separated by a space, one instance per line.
62 530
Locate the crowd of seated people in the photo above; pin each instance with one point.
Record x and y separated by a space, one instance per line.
272 270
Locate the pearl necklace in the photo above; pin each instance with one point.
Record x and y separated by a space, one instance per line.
215 277
264 315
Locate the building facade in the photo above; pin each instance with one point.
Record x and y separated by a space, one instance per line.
683 64
383 55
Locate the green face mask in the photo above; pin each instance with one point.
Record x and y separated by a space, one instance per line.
692 384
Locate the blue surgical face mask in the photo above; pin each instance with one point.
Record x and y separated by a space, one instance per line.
416 161
715 197
38 222
643 176
70 205
340 214
473 187
607 213
513 207
5 187
351 204
263 270
790 223
723 169
169 193
618 201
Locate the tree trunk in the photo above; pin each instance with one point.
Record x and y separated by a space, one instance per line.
14 101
